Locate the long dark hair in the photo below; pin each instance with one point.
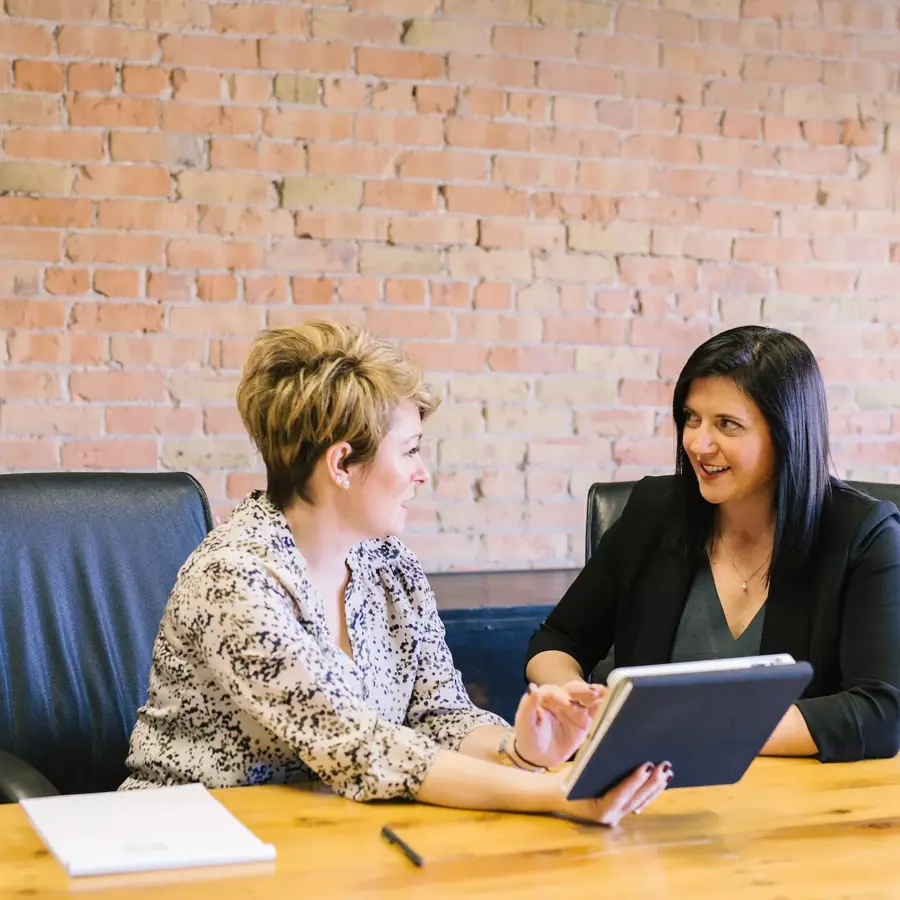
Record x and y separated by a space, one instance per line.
779 373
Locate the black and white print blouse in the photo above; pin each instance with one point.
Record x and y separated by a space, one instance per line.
248 687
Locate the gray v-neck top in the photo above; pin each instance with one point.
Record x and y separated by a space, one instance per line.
703 632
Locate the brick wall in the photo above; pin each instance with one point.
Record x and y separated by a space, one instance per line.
549 201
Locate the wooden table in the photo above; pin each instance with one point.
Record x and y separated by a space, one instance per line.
791 829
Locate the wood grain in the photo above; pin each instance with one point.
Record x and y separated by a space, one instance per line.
790 829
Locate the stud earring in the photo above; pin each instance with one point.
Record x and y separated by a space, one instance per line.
345 484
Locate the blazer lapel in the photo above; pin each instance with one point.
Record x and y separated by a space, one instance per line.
662 594
786 627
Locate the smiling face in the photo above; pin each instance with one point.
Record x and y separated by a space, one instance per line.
382 488
728 442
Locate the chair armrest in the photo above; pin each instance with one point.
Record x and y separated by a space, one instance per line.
20 781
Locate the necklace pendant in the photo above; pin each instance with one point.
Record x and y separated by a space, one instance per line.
744 586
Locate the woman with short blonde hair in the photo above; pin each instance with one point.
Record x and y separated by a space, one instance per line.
302 640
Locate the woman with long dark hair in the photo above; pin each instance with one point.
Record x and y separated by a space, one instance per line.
750 547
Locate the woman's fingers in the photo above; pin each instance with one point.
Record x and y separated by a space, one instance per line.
655 784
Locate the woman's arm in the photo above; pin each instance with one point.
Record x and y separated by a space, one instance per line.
553 667
791 737
465 783
863 720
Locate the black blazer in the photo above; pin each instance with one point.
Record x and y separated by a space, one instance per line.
842 614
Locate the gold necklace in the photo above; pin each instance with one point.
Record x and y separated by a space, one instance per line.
750 576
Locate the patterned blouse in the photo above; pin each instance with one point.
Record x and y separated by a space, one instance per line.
248 687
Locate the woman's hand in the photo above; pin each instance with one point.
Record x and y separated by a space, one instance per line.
553 720
631 795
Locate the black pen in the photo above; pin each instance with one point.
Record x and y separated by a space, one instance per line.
393 838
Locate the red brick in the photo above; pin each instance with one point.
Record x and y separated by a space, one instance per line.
201 253
153 420
124 317
771 250
91 77
207 51
401 130
488 201
30 420
26 40
653 23
778 190
658 272
117 283
112 386
44 212
28 454
136 215
367 225
486 134
112 112
435 99
265 289
399 63
31 244
445 165
193 84
259 18
851 249
645 393
437 356
129 181
312 291
454 294
738 216
30 313
29 109
109 43
157 351
115 248
816 282
145 80
202 119
858 75
660 210
110 453
664 87
166 286
404 292
307 124
66 145
486 71
32 75
351 160
492 295
542 42
531 359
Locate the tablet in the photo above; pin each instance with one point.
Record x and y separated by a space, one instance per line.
710 720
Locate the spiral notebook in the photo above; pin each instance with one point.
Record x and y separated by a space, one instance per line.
138 831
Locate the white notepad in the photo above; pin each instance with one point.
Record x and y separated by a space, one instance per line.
136 831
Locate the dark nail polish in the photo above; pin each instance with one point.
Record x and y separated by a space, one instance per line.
647 768
667 771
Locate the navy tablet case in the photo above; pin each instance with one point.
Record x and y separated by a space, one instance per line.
709 725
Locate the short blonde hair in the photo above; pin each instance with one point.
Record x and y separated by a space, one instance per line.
306 388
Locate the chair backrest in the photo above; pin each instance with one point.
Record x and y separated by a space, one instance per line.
606 501
89 560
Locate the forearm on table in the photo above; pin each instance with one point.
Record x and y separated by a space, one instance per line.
791 737
483 743
553 667
461 781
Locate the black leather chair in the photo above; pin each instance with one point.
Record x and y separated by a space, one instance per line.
89 560
607 500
